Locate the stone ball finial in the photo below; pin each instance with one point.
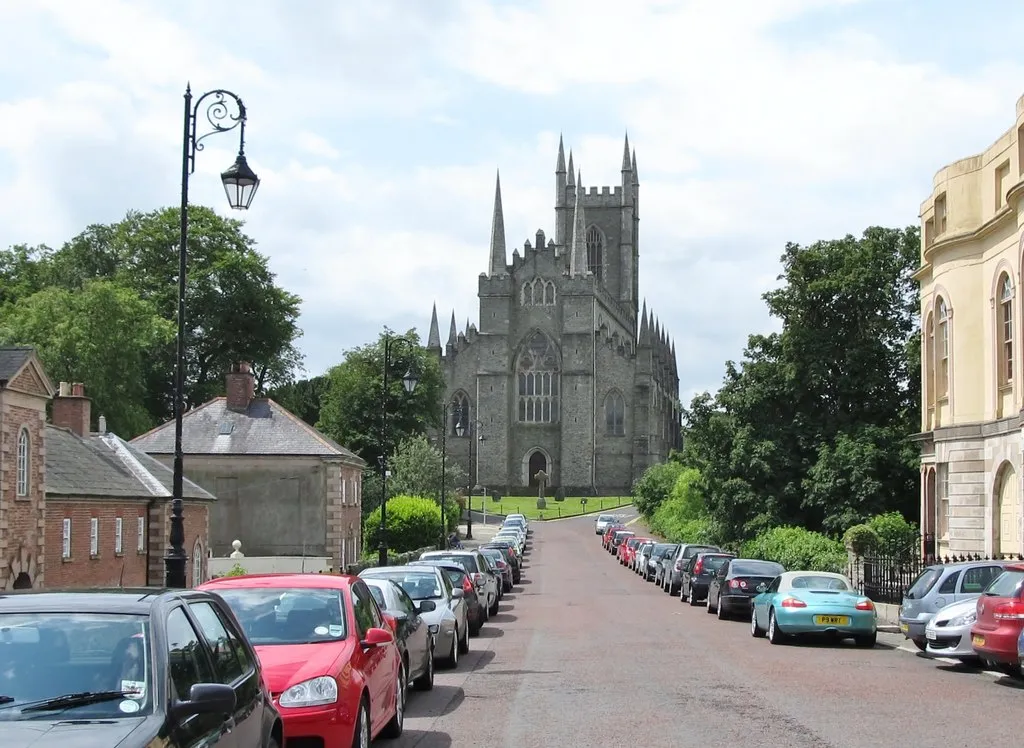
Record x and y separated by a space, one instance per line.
237 552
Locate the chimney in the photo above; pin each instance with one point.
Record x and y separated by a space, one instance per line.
241 386
72 409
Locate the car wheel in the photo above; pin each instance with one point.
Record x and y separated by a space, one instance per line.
272 742
921 644
361 736
464 644
867 641
393 729
426 681
720 609
709 609
775 635
453 655
494 608
692 599
755 631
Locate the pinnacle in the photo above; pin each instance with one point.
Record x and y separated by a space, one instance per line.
560 166
626 163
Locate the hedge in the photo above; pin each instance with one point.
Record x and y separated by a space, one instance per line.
412 522
798 549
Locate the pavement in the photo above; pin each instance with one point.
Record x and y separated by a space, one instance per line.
586 653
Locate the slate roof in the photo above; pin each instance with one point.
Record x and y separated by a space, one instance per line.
264 428
12 359
106 466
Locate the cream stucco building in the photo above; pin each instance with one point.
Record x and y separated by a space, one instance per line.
973 391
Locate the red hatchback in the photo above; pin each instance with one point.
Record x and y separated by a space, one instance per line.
1000 619
328 654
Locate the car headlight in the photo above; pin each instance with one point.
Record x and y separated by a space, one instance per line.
313 692
965 619
433 628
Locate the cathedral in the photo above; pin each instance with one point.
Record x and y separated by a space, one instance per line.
566 380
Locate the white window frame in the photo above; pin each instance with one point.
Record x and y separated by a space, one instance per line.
94 536
118 535
24 461
65 551
197 563
141 541
344 491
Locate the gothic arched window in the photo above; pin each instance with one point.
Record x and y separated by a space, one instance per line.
595 251
527 296
538 292
537 373
615 414
197 563
459 415
24 462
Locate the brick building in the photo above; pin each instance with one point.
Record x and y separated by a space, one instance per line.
282 487
82 508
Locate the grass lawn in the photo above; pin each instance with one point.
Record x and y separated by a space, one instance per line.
572 506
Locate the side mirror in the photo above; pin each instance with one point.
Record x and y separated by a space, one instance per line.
762 587
374 638
457 594
426 606
205 698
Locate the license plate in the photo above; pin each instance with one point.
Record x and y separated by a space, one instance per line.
831 620
977 641
931 635
905 628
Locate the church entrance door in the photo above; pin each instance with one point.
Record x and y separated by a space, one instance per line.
538 462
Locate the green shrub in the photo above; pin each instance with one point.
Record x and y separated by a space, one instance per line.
861 539
655 486
236 571
896 536
797 549
682 517
412 522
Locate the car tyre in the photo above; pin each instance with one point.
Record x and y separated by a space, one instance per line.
692 599
755 631
709 609
720 609
426 681
867 641
464 644
361 735
493 610
452 660
393 729
775 635
921 644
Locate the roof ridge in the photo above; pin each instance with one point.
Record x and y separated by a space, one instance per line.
185 415
312 431
136 468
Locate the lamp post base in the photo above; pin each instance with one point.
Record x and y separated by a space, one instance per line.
382 555
174 570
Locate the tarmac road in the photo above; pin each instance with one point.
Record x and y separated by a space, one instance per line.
585 653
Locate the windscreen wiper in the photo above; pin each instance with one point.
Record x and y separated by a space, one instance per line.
74 699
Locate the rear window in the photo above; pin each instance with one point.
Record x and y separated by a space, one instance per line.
755 569
1007 584
924 582
661 549
466 562
693 550
714 563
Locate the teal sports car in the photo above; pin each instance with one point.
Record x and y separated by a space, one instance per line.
813 602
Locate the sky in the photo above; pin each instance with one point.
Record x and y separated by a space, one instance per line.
377 127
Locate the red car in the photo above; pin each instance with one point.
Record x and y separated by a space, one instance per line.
627 549
607 539
1000 620
329 655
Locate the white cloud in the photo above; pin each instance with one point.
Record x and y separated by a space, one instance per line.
748 134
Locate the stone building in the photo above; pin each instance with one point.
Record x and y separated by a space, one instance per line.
566 374
972 394
282 487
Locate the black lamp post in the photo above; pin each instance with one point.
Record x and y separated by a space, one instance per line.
442 542
224 111
409 381
460 430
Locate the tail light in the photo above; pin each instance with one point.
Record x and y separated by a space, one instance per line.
699 566
467 585
737 584
478 579
792 602
1011 611
864 604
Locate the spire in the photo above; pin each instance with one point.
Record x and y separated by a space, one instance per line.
636 174
499 257
560 166
578 256
626 164
568 178
434 339
645 332
453 333
656 335
675 363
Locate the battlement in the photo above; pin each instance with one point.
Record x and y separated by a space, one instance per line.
595 197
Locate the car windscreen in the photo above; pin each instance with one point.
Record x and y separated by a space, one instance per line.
816 582
49 655
288 615
1007 584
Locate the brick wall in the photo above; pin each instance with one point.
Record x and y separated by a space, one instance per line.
197 526
105 568
21 528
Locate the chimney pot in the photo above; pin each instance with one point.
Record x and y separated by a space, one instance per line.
72 410
103 424
241 387
65 389
77 389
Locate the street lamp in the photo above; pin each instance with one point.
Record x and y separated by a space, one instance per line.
460 430
224 112
442 543
409 382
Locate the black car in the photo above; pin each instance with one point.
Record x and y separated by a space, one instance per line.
735 584
697 574
129 668
510 558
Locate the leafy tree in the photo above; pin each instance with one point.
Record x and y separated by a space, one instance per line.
303 398
413 522
101 334
798 549
235 310
655 486
353 404
682 517
22 272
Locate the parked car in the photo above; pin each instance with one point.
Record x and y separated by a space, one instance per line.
606 539
506 551
602 522
995 634
495 557
672 576
809 602
486 583
640 557
662 564
128 668
658 555
948 633
476 609
618 538
697 574
329 656
627 548
448 619
412 634
736 582
936 587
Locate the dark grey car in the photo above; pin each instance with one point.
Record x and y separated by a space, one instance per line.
697 574
412 633
672 573
658 554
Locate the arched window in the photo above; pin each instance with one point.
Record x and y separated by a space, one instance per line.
942 351
527 296
538 292
537 378
595 251
197 563
460 415
1005 331
24 462
549 293
929 361
615 414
